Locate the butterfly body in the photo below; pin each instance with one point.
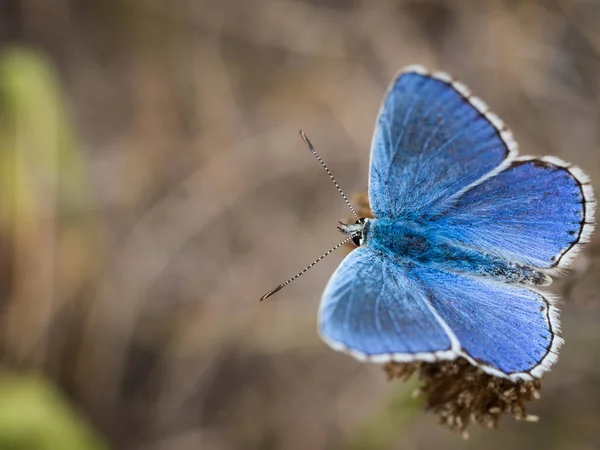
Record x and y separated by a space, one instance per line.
465 231
410 243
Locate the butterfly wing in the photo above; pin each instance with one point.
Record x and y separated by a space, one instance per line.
439 154
374 310
506 330
536 211
378 310
432 139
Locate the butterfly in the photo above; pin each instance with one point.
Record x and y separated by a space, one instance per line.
465 234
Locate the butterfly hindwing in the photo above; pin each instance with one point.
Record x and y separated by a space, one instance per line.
536 211
505 329
431 140
379 310
374 310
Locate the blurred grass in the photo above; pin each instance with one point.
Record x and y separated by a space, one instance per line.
152 186
43 194
33 416
386 426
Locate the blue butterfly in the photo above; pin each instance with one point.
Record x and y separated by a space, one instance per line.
465 232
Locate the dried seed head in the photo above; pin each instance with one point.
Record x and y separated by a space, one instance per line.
460 393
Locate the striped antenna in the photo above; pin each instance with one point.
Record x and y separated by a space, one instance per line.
314 152
284 284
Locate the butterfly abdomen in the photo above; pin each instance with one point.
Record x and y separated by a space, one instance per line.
412 242
466 261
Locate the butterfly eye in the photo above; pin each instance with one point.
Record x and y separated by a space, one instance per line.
357 239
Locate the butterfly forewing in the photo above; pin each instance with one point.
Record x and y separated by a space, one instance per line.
430 142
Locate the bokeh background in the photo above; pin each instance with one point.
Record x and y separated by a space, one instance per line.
153 186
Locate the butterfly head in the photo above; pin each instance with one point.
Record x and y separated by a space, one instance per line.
357 231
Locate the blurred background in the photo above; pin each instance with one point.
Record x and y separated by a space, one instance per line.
153 186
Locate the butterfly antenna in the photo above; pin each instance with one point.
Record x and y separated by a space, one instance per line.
285 283
314 152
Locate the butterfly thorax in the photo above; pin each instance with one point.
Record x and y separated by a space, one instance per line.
411 242
403 239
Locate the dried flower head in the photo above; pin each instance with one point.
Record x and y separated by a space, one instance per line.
458 392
